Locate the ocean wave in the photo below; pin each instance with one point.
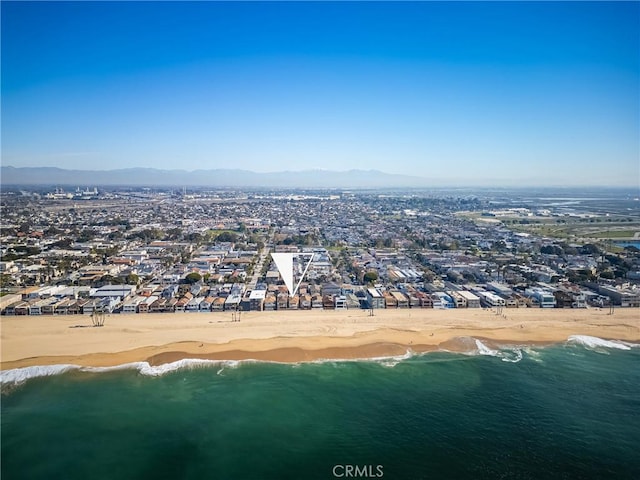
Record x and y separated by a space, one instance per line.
506 354
114 368
392 361
595 343
187 363
471 346
20 375
532 354
468 346
482 349
511 355
386 361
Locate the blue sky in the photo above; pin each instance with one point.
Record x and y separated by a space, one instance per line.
468 93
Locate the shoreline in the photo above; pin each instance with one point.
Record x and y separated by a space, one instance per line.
293 336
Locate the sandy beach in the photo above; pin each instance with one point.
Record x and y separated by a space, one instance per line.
292 336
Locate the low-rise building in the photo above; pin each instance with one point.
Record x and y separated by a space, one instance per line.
623 297
193 305
282 301
316 301
401 300
143 307
131 305
218 304
540 297
305 301
270 301
375 298
256 300
389 300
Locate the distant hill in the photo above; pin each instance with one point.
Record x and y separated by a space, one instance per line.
214 178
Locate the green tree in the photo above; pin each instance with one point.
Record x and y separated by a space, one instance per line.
227 237
370 276
193 277
110 280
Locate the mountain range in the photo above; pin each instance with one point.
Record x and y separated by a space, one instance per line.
214 178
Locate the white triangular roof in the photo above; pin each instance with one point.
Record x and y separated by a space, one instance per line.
284 264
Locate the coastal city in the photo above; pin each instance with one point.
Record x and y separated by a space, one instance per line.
319 240
132 250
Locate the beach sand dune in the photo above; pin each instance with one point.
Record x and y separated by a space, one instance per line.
292 336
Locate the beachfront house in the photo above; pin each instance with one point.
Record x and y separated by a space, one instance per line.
256 300
234 298
316 301
401 300
205 305
489 299
458 300
305 301
218 304
143 306
282 301
445 300
389 300
131 305
436 301
119 291
541 297
170 306
327 302
159 305
340 302
270 301
193 305
471 300
62 308
294 302
375 298
182 303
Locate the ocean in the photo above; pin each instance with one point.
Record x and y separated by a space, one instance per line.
568 411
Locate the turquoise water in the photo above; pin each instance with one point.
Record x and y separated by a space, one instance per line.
628 244
566 411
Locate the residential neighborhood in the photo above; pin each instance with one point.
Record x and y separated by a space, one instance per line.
143 250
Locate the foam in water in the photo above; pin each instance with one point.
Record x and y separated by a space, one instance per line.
19 375
390 361
155 371
595 342
507 354
510 354
532 354
484 350
115 368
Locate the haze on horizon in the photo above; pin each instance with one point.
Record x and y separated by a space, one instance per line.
519 93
